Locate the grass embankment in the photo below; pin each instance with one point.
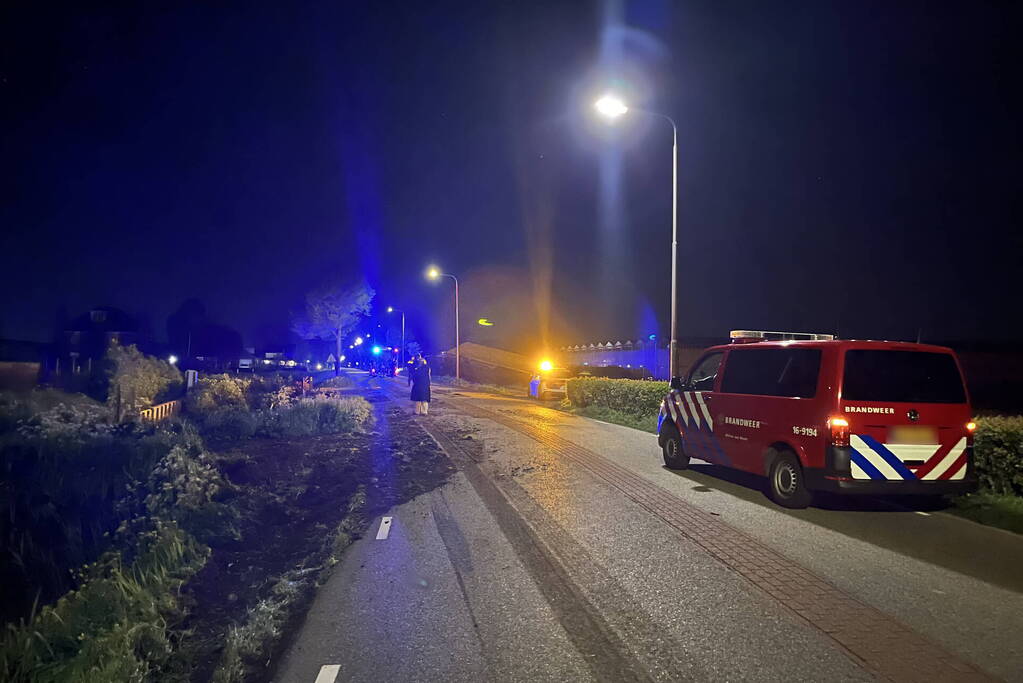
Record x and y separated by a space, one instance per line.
200 558
644 423
994 509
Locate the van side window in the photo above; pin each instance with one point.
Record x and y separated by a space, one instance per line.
772 372
704 373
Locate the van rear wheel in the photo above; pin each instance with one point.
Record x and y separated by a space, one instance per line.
785 482
675 457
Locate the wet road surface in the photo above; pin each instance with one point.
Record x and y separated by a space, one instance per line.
563 550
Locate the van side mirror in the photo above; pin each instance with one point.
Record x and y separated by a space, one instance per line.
676 384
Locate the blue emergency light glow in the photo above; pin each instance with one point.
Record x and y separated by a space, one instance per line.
376 350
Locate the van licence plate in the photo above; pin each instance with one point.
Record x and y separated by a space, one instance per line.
913 434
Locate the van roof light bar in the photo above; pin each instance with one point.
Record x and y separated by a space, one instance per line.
740 336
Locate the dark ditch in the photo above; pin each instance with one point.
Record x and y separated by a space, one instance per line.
291 496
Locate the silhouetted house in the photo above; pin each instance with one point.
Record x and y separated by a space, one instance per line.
87 337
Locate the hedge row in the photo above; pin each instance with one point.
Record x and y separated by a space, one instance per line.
998 444
998 454
631 396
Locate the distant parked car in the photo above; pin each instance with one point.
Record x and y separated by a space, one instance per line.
549 383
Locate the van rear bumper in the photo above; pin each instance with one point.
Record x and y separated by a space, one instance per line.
836 477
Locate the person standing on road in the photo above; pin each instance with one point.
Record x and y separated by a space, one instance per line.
419 378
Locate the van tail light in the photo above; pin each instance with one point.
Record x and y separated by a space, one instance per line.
971 427
839 427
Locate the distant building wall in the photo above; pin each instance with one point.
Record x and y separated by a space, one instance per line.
653 360
18 376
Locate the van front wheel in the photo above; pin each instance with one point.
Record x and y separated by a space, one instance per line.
675 457
785 482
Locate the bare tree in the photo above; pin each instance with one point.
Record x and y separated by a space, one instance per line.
332 311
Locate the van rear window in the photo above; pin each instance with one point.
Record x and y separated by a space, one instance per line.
902 377
772 372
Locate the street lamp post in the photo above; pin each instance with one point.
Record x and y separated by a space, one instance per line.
434 274
392 309
613 107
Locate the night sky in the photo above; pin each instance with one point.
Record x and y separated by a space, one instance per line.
844 166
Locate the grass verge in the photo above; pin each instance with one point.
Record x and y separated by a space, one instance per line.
993 509
645 423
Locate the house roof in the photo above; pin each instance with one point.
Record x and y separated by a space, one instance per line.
104 319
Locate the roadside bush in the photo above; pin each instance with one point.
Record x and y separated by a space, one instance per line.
218 392
998 454
271 391
228 425
342 415
23 406
137 380
68 423
630 396
315 416
299 419
338 382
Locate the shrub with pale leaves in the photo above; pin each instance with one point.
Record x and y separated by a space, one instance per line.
181 480
68 422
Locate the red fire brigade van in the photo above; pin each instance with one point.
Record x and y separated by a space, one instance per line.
814 413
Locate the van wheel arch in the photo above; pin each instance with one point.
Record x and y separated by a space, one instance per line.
774 450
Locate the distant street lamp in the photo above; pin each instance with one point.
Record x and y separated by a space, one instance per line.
433 273
392 309
173 359
611 107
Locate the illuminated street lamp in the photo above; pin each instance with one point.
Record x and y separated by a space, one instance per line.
392 309
434 273
612 107
173 359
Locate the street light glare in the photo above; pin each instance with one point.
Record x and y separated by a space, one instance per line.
610 106
433 273
390 309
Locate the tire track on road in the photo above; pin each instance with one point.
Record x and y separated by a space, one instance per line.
603 650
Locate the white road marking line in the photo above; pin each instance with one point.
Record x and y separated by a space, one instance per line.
385 528
328 672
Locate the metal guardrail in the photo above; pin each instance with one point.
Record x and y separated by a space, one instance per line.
161 411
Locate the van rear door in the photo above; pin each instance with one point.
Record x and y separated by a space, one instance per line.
907 412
